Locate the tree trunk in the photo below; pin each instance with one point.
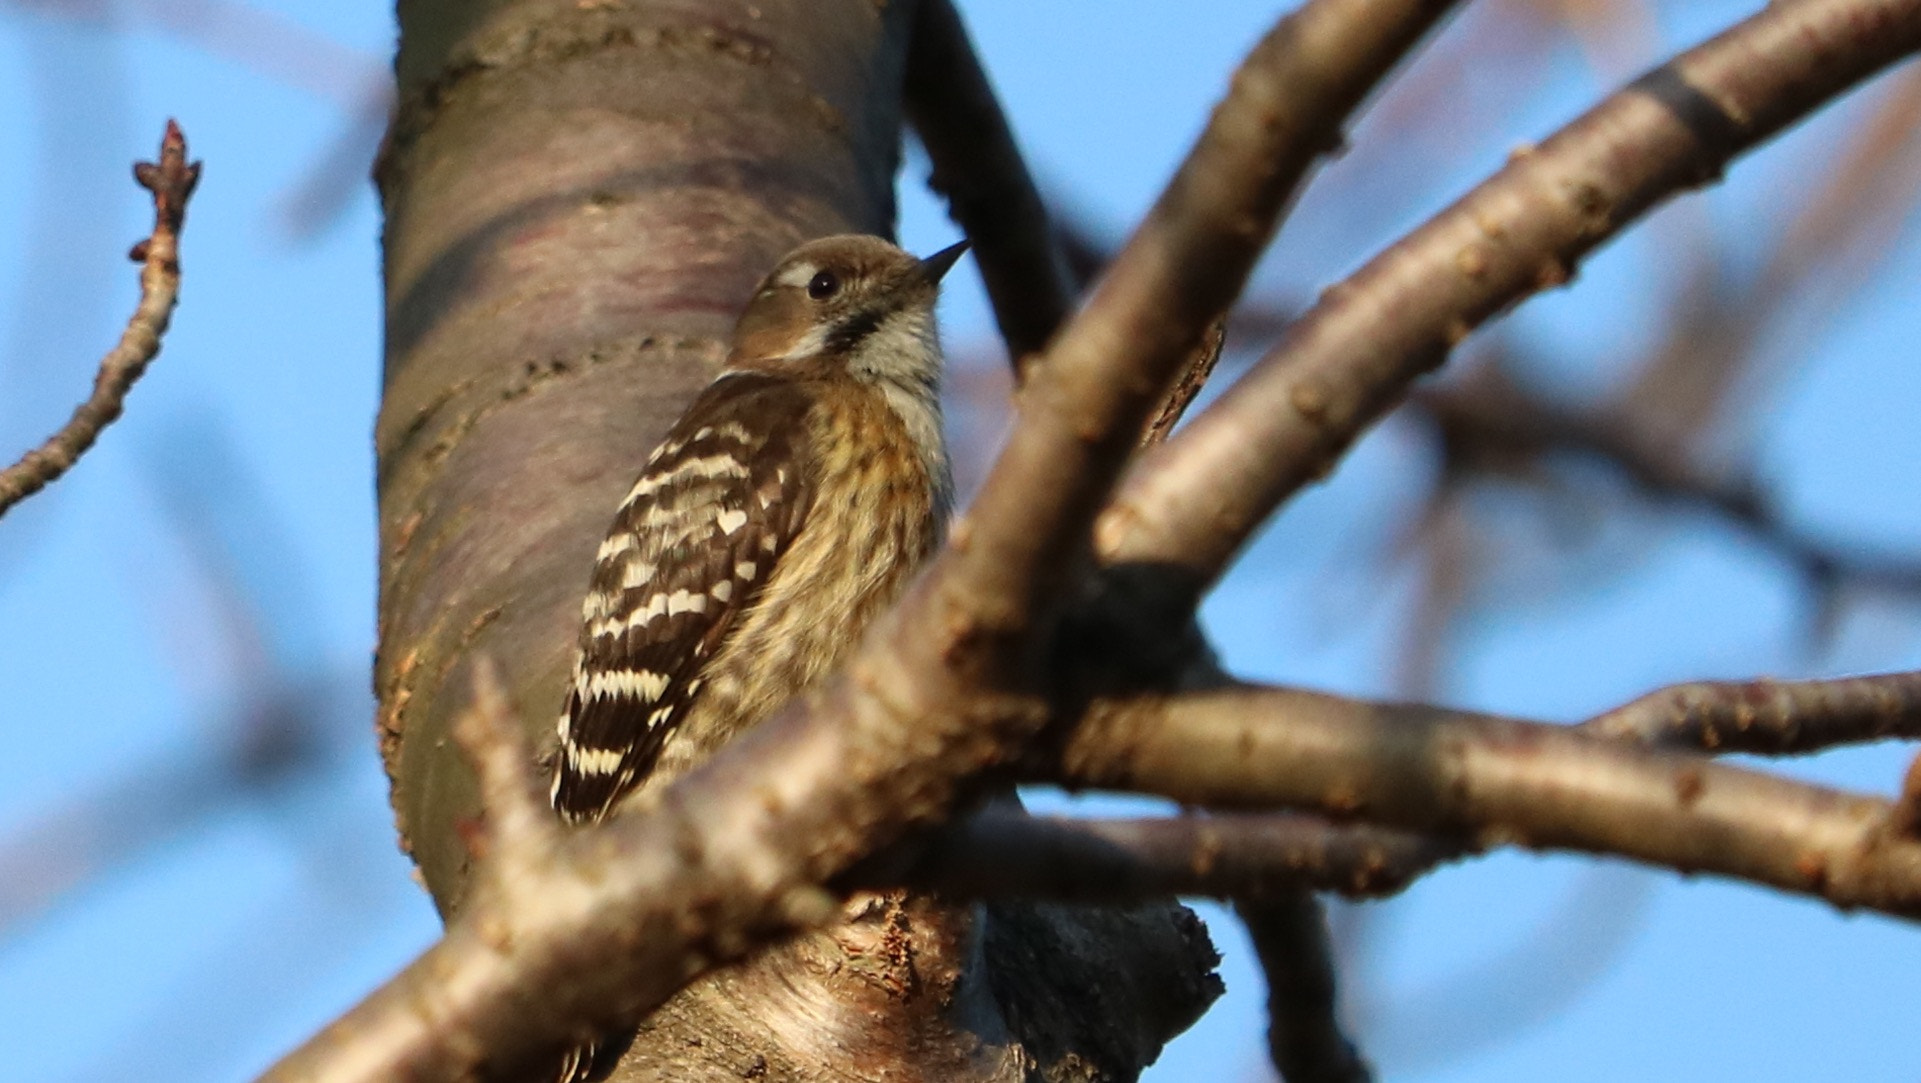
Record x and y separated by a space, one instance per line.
579 195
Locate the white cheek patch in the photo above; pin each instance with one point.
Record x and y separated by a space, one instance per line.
798 275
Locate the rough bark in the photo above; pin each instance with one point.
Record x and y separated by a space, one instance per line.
578 198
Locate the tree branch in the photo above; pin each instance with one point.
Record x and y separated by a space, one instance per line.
1178 273
648 881
1250 856
1771 718
1353 355
171 180
1492 421
1304 1036
978 167
518 819
1259 856
1499 781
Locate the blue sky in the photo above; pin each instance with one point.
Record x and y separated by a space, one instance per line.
236 928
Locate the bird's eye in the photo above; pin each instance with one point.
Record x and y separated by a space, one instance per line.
823 285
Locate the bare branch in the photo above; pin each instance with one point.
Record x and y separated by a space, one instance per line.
1492 421
1262 855
1304 1036
518 820
711 870
1256 856
604 924
171 180
1178 273
1250 856
1768 717
1355 353
979 168
1842 232
1499 782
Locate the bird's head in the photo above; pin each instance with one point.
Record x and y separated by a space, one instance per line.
850 302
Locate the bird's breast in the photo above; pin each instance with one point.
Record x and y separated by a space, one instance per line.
876 513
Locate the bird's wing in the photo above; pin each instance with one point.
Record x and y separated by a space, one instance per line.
690 550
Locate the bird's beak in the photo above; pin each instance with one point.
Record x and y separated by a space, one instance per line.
937 264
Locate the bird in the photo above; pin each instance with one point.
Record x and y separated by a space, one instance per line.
782 512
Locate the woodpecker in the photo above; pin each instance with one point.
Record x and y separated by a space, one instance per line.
780 514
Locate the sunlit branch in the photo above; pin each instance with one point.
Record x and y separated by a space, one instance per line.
1499 782
1353 355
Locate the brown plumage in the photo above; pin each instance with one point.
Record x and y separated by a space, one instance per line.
784 510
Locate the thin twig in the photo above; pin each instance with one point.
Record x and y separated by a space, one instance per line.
1768 717
979 168
1490 421
171 180
1304 1035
